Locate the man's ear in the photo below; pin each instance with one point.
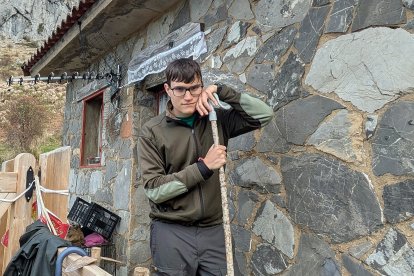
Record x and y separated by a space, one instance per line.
167 89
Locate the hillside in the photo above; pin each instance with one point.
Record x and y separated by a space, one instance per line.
45 99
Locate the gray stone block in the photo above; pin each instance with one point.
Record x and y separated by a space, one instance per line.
253 173
267 260
276 46
272 140
275 228
359 250
121 190
111 170
96 182
198 9
315 257
299 119
218 15
239 57
309 32
244 142
318 3
329 198
409 4
240 10
236 32
275 14
393 255
354 268
242 238
340 135
341 16
247 201
370 125
260 76
351 67
182 18
288 83
378 13
392 144
399 201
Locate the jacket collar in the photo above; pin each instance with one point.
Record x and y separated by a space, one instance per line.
170 117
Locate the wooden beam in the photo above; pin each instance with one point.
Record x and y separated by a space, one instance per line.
55 168
4 206
7 166
89 270
8 181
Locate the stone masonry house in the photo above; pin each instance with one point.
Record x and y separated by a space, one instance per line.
326 189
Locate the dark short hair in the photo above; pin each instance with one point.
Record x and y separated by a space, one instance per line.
183 70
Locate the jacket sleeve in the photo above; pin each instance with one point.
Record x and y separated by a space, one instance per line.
248 113
158 185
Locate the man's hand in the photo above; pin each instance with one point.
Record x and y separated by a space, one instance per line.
216 157
203 107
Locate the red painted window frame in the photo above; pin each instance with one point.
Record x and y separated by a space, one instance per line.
82 157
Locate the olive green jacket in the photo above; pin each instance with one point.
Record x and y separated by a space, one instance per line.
169 151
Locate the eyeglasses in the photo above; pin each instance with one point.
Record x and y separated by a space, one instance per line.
194 90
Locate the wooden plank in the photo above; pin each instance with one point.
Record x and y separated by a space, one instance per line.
55 168
88 270
20 212
141 271
8 182
3 228
7 166
5 205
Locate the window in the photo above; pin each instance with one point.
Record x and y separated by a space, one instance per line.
162 99
91 142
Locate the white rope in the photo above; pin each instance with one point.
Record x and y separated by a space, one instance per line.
19 196
49 191
41 208
41 188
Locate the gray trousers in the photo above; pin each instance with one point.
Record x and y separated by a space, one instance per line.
187 250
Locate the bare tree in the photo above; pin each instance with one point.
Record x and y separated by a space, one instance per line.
24 123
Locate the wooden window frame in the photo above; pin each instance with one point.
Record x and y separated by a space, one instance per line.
83 161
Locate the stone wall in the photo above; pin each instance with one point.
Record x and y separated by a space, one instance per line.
327 187
32 20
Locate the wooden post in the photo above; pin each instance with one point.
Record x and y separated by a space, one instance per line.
96 253
141 271
7 166
89 270
55 167
20 211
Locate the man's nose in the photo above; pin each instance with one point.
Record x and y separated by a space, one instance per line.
188 95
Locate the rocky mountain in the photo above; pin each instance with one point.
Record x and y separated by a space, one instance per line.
24 24
32 20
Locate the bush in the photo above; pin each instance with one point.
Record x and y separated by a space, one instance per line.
25 122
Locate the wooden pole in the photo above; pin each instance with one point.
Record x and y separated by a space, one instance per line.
225 207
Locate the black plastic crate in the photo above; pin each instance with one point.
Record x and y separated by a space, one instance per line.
94 217
79 211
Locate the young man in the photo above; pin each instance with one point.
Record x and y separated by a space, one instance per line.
180 170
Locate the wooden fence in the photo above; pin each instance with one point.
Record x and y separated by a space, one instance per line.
16 216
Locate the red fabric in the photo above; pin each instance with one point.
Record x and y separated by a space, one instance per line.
94 239
5 239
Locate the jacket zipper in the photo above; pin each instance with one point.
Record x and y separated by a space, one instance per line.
200 189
